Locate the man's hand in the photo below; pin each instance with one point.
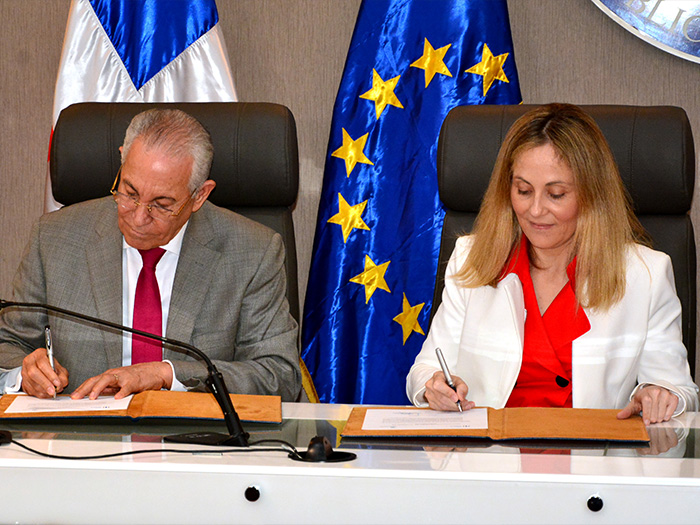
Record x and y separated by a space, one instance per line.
39 379
656 404
126 380
440 396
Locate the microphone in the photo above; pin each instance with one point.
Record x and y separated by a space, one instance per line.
236 437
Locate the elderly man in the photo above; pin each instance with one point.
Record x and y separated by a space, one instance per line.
156 256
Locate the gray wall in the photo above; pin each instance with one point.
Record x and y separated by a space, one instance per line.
292 52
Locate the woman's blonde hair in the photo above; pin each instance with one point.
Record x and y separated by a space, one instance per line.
606 224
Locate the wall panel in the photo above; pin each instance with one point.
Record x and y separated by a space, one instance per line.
31 34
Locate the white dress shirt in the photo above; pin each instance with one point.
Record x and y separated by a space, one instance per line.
165 275
6 378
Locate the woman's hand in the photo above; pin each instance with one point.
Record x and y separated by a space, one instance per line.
656 404
440 396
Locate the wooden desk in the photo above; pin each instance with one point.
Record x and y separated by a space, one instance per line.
387 483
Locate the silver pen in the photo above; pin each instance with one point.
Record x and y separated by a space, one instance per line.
49 351
448 376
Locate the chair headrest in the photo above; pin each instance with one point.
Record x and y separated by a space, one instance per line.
253 144
650 144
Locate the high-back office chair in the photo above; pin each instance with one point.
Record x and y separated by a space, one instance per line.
653 147
256 163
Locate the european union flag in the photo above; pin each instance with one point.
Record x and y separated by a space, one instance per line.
380 218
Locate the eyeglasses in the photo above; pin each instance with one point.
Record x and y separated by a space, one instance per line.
156 211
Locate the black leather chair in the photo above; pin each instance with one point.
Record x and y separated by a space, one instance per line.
654 150
256 162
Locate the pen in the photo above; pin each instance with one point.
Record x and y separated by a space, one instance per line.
49 351
448 377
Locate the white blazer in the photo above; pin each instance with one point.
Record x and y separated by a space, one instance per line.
637 342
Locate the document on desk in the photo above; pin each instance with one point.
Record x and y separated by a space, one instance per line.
496 424
409 419
33 405
147 404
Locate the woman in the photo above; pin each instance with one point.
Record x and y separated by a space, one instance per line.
554 300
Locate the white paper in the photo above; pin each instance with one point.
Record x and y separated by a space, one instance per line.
34 405
408 419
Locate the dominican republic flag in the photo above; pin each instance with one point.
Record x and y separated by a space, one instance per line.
380 217
142 51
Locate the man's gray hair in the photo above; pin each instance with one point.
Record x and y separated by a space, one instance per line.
176 133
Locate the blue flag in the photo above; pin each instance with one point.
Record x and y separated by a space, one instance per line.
380 218
149 34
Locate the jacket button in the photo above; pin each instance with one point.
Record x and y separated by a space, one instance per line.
562 382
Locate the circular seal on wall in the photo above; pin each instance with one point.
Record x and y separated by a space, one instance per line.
670 25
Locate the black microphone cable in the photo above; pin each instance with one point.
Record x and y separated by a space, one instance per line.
284 447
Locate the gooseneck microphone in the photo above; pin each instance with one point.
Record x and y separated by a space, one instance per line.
237 437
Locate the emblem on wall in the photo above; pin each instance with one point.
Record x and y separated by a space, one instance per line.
670 25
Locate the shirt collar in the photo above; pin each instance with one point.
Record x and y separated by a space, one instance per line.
173 246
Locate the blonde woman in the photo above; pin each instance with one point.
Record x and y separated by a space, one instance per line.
555 299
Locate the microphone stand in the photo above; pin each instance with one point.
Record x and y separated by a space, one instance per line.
237 437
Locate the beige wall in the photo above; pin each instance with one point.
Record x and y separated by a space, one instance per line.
31 34
292 52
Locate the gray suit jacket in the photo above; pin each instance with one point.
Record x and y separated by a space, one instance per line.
228 299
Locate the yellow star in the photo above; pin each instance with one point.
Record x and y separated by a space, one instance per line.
372 278
352 151
490 67
432 61
349 217
382 93
408 319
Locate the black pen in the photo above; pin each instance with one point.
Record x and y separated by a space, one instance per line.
49 351
448 377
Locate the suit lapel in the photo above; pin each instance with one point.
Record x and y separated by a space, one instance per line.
104 259
192 278
513 289
510 319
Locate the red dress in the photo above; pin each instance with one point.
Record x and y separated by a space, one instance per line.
545 374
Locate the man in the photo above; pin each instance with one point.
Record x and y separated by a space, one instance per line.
219 282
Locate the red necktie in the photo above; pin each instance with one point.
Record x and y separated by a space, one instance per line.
148 314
